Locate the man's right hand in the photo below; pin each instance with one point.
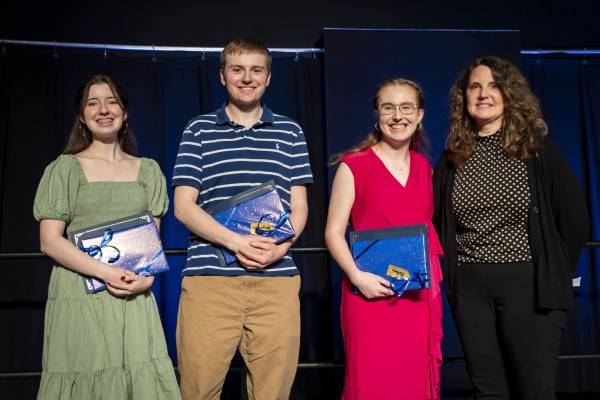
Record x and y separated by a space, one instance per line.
248 254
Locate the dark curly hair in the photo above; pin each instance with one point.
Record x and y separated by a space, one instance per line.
522 125
80 137
418 141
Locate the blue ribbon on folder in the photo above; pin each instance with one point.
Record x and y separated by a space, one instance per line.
149 268
269 232
96 250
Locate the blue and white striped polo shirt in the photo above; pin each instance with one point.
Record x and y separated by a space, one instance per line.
221 158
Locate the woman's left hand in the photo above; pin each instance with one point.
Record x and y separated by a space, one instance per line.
141 283
137 284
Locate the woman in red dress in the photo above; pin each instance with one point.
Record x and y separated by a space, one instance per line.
393 345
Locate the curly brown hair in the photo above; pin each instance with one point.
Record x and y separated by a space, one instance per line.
419 139
80 137
522 124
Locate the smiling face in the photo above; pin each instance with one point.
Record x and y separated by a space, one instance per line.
485 102
246 76
403 115
102 113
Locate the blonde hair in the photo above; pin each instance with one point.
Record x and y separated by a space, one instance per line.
245 45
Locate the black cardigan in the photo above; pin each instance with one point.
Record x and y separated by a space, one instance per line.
558 224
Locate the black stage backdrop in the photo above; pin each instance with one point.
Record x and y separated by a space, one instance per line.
36 113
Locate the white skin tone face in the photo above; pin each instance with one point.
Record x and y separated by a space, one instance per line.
397 128
104 160
485 102
103 114
246 77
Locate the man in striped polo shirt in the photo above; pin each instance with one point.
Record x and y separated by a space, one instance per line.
251 305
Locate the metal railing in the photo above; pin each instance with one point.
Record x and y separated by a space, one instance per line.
295 250
182 251
205 49
145 48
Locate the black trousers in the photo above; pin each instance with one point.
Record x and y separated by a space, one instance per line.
511 348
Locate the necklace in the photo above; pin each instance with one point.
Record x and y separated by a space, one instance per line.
116 160
382 157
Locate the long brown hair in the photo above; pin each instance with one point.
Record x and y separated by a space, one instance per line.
522 125
80 137
418 139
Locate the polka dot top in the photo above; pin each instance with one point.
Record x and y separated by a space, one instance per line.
490 201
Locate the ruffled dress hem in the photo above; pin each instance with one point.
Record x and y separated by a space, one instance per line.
148 380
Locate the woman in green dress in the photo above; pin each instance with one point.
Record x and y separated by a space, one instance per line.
107 345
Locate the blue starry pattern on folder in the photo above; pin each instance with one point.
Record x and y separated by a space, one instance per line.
400 255
257 211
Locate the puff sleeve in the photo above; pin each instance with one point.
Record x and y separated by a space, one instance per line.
156 190
57 191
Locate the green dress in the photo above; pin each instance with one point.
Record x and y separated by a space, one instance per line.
98 346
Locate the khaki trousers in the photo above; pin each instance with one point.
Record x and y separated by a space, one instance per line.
260 316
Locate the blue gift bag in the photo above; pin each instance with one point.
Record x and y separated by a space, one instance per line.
400 255
256 211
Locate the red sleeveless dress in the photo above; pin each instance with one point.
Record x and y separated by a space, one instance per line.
393 345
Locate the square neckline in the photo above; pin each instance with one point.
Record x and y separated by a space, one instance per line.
137 178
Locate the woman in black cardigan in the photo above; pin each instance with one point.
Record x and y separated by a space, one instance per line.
512 220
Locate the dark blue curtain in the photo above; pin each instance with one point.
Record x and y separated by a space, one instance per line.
568 90
36 113
37 88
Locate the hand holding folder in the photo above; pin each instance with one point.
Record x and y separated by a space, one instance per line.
400 255
256 211
132 243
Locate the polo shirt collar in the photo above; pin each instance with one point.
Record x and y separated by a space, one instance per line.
266 118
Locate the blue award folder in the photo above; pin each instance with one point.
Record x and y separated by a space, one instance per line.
400 255
132 243
256 211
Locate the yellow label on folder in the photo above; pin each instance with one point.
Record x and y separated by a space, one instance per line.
265 226
397 272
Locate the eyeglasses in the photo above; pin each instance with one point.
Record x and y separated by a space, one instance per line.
390 108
